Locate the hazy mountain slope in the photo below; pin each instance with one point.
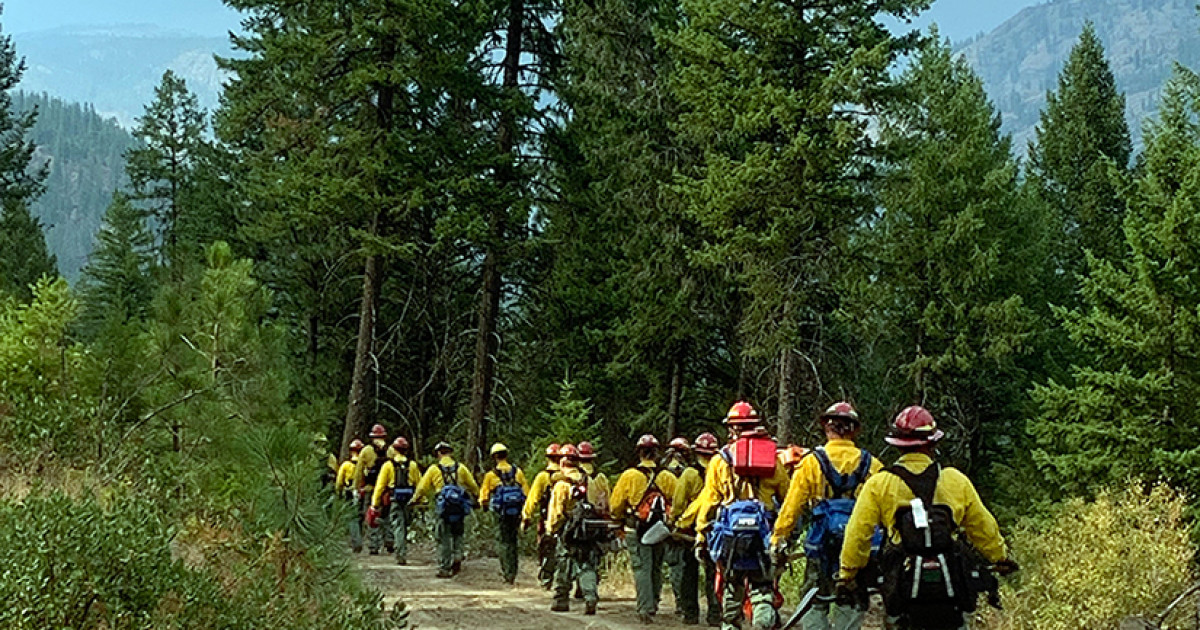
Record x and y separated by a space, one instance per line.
1020 60
116 68
86 154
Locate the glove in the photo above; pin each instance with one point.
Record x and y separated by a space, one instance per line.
701 551
846 592
372 517
1005 567
779 551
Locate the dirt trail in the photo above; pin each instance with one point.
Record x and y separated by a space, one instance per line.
478 599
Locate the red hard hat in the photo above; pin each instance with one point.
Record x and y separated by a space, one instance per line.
913 427
356 446
400 444
569 451
647 441
841 409
378 431
706 444
552 450
586 451
742 412
680 444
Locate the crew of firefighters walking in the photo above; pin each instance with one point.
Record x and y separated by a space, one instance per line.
724 518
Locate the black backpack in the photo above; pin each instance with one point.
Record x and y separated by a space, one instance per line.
932 578
585 525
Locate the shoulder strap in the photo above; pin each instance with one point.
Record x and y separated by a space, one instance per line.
651 478
447 476
727 455
923 485
864 467
838 483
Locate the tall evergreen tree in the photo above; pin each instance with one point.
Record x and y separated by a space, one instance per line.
117 284
24 257
1130 410
954 249
162 168
777 96
1082 134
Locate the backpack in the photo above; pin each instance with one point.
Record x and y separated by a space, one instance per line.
402 491
740 539
653 506
453 502
508 499
931 579
585 524
831 515
751 456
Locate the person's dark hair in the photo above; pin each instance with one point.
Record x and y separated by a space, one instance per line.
841 426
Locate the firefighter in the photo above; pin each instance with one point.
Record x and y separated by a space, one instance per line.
887 497
641 499
535 508
723 487
393 493
813 491
678 461
453 488
587 464
344 487
366 475
580 529
505 490
683 515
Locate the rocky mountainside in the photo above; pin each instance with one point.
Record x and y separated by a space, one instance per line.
116 68
1020 60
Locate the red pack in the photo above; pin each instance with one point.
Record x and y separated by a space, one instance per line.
753 456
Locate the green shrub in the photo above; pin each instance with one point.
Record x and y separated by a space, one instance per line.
1128 552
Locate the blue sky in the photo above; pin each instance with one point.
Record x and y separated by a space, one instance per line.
958 19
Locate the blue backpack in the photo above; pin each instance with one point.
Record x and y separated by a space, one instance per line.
740 539
453 502
831 515
508 500
402 491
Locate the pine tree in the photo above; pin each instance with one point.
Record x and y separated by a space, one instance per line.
162 168
24 258
1082 134
776 96
117 284
954 250
1130 410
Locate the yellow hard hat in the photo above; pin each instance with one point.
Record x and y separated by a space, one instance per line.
499 448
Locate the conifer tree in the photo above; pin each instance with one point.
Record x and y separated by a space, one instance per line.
775 95
954 249
1082 134
117 284
24 257
1130 410
162 168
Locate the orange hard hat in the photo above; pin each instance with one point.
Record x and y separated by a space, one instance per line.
569 451
841 409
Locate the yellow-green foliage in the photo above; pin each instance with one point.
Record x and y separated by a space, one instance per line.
1128 552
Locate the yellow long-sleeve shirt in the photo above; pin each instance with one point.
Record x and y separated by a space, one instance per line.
432 482
367 460
885 492
687 490
539 490
632 486
722 487
809 485
600 480
345 476
387 477
491 481
562 501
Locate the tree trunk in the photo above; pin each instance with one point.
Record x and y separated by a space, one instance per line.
783 429
360 382
486 343
676 395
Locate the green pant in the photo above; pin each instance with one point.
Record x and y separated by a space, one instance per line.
576 565
399 519
450 544
379 534
685 579
713 610
507 545
762 600
826 615
547 560
647 563
356 528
